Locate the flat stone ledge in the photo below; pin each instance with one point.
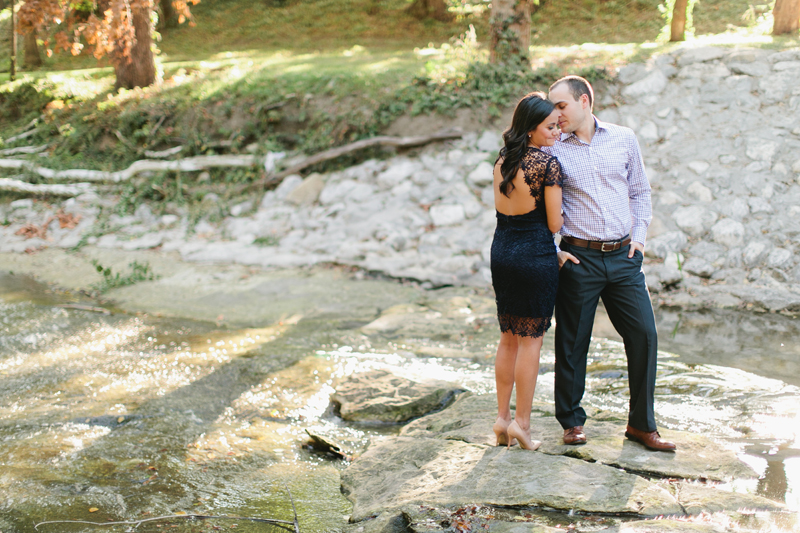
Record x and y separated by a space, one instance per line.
469 419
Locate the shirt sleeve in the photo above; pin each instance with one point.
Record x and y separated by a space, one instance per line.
638 192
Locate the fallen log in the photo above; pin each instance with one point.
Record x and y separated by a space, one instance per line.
383 140
14 185
203 162
24 150
190 164
163 154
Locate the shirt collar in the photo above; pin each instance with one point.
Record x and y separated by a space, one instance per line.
598 125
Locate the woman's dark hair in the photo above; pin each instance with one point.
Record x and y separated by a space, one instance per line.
531 111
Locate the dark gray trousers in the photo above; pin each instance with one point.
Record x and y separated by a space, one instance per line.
619 281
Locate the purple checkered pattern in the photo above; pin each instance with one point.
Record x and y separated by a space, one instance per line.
606 195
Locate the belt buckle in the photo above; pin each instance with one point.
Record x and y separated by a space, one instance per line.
603 246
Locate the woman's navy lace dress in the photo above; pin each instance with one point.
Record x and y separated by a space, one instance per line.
524 261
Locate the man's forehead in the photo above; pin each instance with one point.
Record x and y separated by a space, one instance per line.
560 93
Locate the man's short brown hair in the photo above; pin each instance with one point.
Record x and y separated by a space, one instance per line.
577 87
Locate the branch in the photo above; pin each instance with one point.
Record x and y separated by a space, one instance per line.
333 153
163 154
13 185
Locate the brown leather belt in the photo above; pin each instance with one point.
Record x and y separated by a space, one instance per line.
597 245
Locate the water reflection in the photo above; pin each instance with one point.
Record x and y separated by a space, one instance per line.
139 416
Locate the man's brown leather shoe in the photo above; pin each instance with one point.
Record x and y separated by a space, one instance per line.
651 440
574 436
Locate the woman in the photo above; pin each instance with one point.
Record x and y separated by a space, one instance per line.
527 193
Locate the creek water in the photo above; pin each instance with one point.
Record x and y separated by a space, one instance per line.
125 417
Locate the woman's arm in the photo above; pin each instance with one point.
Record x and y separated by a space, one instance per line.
554 179
552 202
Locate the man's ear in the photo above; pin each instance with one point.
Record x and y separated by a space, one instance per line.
585 101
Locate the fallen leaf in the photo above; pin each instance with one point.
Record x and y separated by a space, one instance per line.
120 420
180 513
93 509
67 220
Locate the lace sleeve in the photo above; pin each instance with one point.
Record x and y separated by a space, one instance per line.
554 175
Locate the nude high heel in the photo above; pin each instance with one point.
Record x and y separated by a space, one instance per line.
500 429
523 437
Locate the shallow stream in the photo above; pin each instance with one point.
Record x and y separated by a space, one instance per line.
123 417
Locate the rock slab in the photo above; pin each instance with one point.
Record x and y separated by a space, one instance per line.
381 397
405 471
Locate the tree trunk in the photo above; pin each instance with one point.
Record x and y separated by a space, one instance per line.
167 18
786 17
678 27
33 58
511 31
138 70
12 71
435 9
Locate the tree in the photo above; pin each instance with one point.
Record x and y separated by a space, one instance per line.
435 9
511 31
786 17
118 29
678 25
32 56
167 16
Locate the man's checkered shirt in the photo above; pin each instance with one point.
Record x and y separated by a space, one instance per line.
606 195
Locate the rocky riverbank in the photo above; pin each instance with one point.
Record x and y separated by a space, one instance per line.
720 136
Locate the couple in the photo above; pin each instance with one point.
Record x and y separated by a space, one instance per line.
557 147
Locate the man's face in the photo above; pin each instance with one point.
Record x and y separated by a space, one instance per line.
573 112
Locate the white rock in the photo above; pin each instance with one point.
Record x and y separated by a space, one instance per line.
288 184
754 253
649 131
662 245
700 192
490 141
755 70
779 258
447 214
698 166
759 205
243 207
632 72
728 232
145 214
487 196
396 173
670 272
761 149
669 198
168 220
307 192
337 191
699 267
727 159
694 219
151 240
25 203
482 175
737 208
654 83
786 65
796 166
699 55
664 113
455 156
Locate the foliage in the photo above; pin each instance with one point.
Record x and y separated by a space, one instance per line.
106 25
138 272
24 101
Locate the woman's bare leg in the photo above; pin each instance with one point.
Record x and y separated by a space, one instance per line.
526 371
504 365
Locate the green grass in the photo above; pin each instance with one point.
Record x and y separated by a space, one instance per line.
319 73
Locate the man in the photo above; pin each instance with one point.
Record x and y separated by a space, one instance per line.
606 203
